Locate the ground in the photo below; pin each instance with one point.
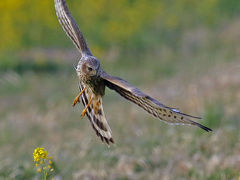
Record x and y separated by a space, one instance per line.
36 111
200 77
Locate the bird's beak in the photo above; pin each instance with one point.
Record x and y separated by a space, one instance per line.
94 72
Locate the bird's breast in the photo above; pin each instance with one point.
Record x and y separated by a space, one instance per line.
95 83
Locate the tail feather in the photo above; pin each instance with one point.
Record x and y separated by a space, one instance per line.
96 116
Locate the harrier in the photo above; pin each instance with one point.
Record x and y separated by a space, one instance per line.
93 80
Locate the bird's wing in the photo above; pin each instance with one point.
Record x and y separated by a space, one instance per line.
70 26
96 115
152 106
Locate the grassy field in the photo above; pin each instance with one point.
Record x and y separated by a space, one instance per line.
187 62
36 111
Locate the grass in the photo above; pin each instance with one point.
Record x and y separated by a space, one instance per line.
36 111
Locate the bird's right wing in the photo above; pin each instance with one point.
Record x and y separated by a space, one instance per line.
152 106
70 26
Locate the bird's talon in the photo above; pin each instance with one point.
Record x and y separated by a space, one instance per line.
83 114
77 99
85 109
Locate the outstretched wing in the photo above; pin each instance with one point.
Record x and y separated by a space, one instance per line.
70 26
96 115
152 106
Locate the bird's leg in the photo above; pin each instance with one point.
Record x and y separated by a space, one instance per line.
85 109
77 99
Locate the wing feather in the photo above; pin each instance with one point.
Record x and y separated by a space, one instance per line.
70 26
152 106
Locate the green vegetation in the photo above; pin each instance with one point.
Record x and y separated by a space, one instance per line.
214 115
131 23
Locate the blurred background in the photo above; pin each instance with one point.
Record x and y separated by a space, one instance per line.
185 53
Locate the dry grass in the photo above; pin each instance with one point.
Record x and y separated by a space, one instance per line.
36 111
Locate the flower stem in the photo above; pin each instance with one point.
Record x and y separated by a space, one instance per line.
45 175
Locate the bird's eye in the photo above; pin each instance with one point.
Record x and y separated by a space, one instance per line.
90 69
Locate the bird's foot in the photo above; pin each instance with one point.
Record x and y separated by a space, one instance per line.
85 109
77 99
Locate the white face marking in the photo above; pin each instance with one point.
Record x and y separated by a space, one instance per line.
78 69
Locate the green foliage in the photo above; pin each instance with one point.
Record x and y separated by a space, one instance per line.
25 22
223 174
106 23
214 114
37 65
230 7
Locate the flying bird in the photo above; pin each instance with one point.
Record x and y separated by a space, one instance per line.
93 80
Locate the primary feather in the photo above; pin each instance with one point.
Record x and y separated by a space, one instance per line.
152 106
70 26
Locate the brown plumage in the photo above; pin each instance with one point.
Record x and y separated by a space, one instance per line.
93 81
96 115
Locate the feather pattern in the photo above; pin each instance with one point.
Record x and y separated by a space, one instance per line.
70 27
96 115
92 85
152 106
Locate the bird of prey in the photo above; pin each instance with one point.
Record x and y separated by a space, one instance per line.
93 80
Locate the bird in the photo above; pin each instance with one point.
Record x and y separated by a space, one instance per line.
93 80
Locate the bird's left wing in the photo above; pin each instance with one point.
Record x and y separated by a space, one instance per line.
152 106
70 26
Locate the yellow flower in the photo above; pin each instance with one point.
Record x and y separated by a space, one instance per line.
42 161
39 170
39 154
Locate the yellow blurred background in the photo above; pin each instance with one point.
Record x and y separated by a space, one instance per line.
29 24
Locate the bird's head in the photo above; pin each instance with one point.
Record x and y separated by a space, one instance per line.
89 66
